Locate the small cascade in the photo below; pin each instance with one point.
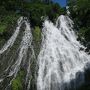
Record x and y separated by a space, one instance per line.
61 62
11 41
25 43
60 58
19 53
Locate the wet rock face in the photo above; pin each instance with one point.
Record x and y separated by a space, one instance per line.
16 54
10 54
88 47
85 43
36 32
53 60
7 33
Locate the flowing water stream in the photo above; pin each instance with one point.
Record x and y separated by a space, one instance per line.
18 53
60 59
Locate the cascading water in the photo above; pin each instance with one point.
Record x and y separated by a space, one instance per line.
22 53
61 56
11 41
25 43
60 59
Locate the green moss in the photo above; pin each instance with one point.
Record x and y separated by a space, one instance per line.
17 83
36 39
2 28
8 20
37 34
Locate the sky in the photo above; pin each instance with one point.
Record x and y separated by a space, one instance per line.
61 2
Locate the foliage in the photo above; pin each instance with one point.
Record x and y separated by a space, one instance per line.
36 10
37 34
80 12
6 24
87 34
37 38
17 83
2 28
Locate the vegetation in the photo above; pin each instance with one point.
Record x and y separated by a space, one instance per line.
80 12
37 34
35 10
17 83
36 39
7 22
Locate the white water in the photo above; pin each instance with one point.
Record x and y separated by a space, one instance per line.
1 80
23 51
29 76
60 57
68 12
11 41
25 44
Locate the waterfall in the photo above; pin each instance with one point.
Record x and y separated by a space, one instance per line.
25 43
61 62
11 41
19 52
61 56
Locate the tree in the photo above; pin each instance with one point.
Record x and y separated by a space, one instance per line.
80 12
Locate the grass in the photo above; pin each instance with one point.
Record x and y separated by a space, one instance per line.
2 28
7 20
7 23
37 34
17 83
